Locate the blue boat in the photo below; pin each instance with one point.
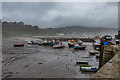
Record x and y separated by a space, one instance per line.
89 69
52 44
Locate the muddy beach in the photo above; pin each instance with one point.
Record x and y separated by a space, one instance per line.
39 61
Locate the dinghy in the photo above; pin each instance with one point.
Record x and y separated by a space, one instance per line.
53 44
70 44
46 42
89 69
96 45
98 56
71 41
40 43
85 66
29 42
82 62
80 42
18 45
82 47
58 46
93 52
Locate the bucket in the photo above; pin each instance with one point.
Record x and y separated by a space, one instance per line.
106 43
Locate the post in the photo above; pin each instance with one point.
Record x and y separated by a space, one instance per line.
101 53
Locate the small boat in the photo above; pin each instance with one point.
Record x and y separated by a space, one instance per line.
85 66
53 44
58 46
97 48
29 42
70 44
71 41
93 52
82 62
34 42
98 56
40 43
96 45
18 45
46 43
89 69
80 47
80 42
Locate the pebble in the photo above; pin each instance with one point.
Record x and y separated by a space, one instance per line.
39 63
26 66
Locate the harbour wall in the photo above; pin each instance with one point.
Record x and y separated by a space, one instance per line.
110 64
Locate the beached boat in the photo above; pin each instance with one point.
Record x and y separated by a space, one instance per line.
53 44
80 42
46 42
40 43
71 41
29 42
70 44
58 46
35 42
93 52
18 45
98 56
82 62
89 69
96 45
79 47
85 66
32 42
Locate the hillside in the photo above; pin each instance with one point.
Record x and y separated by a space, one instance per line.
14 28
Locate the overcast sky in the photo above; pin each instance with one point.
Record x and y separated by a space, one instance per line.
60 14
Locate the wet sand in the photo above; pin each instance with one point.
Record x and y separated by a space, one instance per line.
38 61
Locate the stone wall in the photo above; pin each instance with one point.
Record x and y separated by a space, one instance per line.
108 52
110 69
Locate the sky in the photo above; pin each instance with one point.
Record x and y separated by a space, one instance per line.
61 14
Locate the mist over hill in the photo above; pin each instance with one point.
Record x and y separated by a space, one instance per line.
19 28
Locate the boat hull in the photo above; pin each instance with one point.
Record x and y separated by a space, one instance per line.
81 62
18 45
58 46
70 45
89 69
97 56
83 47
